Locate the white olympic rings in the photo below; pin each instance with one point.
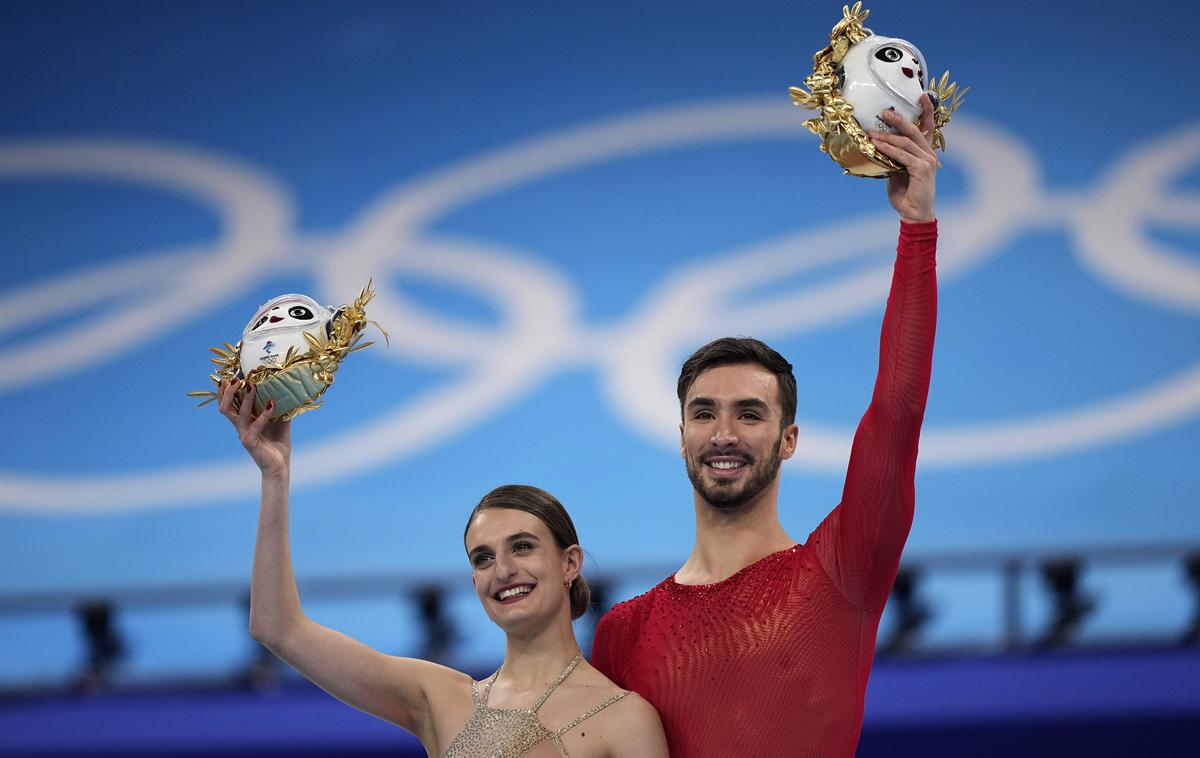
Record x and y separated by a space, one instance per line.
539 330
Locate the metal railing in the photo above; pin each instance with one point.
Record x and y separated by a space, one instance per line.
1053 578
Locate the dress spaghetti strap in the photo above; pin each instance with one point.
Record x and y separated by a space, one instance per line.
511 732
591 712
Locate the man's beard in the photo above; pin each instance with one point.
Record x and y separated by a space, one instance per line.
727 496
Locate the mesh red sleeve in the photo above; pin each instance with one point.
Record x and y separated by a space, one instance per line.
602 648
859 543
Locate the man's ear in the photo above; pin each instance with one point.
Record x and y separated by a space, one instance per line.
787 443
682 446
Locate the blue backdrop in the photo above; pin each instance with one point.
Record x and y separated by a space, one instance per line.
557 204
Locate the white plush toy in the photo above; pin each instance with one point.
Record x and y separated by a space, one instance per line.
279 326
858 77
289 351
880 73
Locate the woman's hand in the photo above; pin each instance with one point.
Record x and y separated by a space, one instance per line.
268 442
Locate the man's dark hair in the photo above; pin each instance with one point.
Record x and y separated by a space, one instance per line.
731 350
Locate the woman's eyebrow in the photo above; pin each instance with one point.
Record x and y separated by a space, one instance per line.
509 540
521 536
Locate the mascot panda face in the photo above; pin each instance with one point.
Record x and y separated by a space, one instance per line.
278 325
897 66
289 312
881 73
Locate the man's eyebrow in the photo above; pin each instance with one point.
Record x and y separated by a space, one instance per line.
749 402
701 402
753 402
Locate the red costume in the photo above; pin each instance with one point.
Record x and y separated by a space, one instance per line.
774 660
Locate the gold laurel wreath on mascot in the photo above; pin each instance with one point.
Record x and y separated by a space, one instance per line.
315 346
832 88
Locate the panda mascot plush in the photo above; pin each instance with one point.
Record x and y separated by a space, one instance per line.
289 352
858 77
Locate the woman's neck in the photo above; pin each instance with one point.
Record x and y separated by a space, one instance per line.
534 660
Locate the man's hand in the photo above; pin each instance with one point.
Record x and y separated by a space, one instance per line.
911 192
269 444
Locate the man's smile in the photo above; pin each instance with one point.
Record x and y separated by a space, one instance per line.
725 466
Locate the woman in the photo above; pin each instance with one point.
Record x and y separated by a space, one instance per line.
545 700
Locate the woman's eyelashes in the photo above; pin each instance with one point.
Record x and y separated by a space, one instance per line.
520 547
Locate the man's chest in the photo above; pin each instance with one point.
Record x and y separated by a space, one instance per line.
788 625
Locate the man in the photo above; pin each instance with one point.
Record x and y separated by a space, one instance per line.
759 646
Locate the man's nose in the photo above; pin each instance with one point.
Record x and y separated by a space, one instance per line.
724 435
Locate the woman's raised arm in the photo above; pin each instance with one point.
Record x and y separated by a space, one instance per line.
404 691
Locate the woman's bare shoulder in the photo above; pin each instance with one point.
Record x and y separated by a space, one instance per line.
634 708
639 730
626 724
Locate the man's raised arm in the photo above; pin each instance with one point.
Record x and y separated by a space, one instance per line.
861 540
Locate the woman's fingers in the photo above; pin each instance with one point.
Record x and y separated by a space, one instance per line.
243 416
246 412
256 428
225 394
